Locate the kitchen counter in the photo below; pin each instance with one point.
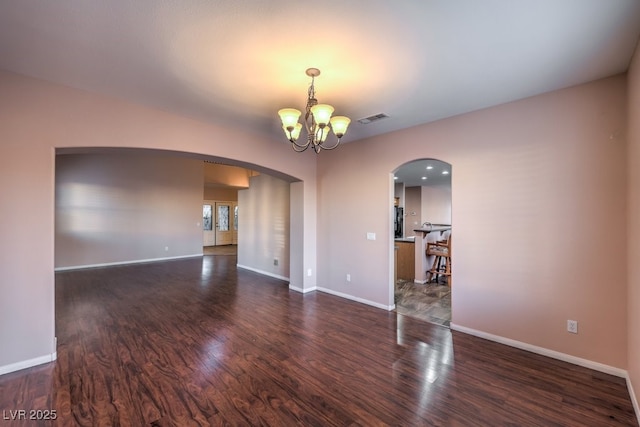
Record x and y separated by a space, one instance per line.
405 259
421 262
410 239
439 228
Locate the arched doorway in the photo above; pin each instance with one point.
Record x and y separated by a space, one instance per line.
115 206
422 201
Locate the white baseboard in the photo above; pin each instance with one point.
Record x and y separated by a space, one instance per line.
24 364
266 273
357 299
634 398
302 291
137 261
611 370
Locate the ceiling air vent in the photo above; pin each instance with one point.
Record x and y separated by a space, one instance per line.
373 118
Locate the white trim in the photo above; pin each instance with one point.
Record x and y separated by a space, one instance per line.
360 300
266 273
596 366
137 261
302 291
633 397
24 364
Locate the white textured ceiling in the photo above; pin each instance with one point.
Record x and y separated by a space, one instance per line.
239 61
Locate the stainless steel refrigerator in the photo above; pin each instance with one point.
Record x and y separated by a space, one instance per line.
398 221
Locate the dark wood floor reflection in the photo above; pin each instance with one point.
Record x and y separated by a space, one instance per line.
197 342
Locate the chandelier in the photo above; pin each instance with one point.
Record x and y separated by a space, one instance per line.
317 121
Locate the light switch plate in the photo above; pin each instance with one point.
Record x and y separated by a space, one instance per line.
371 236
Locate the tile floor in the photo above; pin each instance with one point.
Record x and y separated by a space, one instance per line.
430 302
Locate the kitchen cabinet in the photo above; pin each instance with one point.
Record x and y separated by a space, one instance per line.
406 263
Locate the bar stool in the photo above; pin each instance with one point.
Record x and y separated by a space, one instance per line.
441 250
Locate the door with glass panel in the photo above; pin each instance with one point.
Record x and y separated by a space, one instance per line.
224 223
208 233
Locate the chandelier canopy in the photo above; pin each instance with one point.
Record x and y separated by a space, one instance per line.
317 121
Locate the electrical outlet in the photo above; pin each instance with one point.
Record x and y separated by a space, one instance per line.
348 277
309 272
572 326
166 248
275 261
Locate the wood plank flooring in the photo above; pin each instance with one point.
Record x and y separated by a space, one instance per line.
197 342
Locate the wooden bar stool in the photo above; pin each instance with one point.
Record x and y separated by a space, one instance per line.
441 250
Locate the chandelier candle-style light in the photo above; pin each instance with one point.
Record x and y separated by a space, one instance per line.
317 120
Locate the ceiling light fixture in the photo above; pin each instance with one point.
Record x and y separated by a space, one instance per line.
317 121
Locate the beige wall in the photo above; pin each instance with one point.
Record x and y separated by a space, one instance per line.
430 203
263 219
564 176
436 204
222 182
633 216
227 175
36 118
224 194
122 207
529 234
412 210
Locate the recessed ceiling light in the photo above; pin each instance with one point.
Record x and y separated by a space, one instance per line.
424 177
445 172
429 167
395 177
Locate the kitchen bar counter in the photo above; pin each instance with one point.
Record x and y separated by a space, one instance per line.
421 262
410 239
439 228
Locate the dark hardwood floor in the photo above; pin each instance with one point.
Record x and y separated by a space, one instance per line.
197 342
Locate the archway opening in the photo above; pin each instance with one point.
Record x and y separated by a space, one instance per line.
422 229
129 209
